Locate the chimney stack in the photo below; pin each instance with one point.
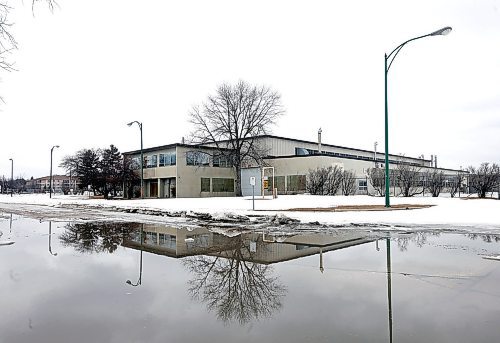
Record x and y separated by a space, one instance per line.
319 141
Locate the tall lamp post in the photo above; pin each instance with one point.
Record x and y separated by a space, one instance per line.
142 158
388 62
50 181
11 175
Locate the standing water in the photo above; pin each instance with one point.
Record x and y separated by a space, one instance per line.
129 282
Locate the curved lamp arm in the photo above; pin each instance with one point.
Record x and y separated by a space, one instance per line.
441 32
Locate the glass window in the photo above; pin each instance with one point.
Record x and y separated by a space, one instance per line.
362 185
222 185
167 240
296 183
136 163
222 161
197 158
205 184
167 159
151 161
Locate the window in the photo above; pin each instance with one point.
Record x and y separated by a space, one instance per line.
222 185
167 159
296 183
301 152
362 185
136 163
222 161
205 184
197 158
151 238
167 241
151 161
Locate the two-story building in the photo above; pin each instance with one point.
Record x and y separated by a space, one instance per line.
183 170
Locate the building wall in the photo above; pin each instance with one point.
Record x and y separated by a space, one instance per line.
189 177
277 146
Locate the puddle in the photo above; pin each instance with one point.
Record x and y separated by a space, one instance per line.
129 282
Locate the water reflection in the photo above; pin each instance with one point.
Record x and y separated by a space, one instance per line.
435 289
50 240
233 286
139 281
231 275
96 237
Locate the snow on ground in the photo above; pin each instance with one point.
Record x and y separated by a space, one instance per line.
452 213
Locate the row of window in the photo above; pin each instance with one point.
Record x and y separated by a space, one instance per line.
218 184
198 158
306 152
151 161
193 158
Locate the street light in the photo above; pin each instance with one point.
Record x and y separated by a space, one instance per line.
142 158
388 62
50 182
11 175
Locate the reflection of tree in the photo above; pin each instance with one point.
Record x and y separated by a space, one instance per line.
232 286
485 238
418 238
96 237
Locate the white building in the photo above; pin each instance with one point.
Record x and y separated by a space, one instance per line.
183 170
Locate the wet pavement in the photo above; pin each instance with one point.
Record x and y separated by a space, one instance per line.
131 282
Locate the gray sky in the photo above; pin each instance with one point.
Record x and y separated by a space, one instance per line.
92 66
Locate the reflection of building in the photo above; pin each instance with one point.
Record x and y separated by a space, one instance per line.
181 170
60 184
253 247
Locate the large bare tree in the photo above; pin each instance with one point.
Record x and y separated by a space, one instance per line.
348 182
231 119
7 41
408 179
435 182
484 179
377 180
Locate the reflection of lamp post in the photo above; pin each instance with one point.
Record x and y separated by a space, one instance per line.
389 286
140 264
142 158
321 268
388 62
50 182
50 237
11 175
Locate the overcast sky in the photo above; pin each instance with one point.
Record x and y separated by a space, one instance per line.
90 67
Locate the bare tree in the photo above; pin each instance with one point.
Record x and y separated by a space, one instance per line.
232 118
7 41
484 179
377 180
348 182
233 286
324 181
435 182
408 179
456 183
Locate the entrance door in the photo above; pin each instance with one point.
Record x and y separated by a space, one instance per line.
153 189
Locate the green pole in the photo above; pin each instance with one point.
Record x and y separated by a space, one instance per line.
387 201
